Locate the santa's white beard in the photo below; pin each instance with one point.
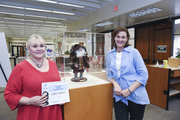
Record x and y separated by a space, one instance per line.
80 53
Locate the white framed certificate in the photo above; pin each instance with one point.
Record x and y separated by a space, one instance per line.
57 92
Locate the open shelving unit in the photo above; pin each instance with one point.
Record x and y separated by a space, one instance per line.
162 84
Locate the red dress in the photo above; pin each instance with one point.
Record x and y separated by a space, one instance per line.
25 80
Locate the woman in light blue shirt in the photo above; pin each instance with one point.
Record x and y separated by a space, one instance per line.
127 72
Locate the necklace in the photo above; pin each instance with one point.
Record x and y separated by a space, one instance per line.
38 65
118 51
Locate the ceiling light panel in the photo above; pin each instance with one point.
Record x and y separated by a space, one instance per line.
41 10
33 20
46 17
15 22
31 24
146 11
13 19
56 18
60 3
15 26
48 1
67 13
84 30
49 25
72 5
104 24
53 22
11 13
36 9
9 6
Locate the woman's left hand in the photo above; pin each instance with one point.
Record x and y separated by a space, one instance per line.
125 93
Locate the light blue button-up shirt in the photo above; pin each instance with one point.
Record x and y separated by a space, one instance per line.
132 69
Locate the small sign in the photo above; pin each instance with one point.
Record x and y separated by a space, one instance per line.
115 8
57 92
162 48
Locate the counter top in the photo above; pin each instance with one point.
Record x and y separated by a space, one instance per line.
161 66
91 81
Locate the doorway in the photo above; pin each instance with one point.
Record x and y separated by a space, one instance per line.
18 51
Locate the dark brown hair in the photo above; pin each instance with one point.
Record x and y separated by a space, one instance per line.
116 31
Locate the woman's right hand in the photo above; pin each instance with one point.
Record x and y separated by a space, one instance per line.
117 88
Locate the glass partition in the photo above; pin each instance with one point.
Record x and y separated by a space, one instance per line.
94 44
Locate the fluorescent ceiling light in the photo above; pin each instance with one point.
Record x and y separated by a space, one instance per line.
57 18
63 12
11 13
46 17
19 38
48 1
49 25
15 22
58 26
145 12
45 28
35 9
33 20
84 30
38 9
31 24
53 32
13 19
14 26
53 22
36 16
11 6
30 30
79 6
30 27
104 24
66 4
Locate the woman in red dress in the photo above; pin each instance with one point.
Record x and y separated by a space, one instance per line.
23 90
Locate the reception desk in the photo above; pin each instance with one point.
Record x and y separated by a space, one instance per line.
90 100
162 84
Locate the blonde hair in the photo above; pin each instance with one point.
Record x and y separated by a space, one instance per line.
34 37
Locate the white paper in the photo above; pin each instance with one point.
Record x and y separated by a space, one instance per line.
58 92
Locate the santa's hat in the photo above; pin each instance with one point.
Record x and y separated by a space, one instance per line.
76 47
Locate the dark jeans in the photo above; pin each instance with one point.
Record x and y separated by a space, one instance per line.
133 110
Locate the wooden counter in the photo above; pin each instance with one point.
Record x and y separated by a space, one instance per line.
90 100
162 84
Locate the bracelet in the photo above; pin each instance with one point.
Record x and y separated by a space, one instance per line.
129 91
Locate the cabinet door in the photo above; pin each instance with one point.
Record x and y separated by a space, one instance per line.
158 86
142 42
162 38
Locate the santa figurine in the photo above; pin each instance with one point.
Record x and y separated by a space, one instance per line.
80 61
